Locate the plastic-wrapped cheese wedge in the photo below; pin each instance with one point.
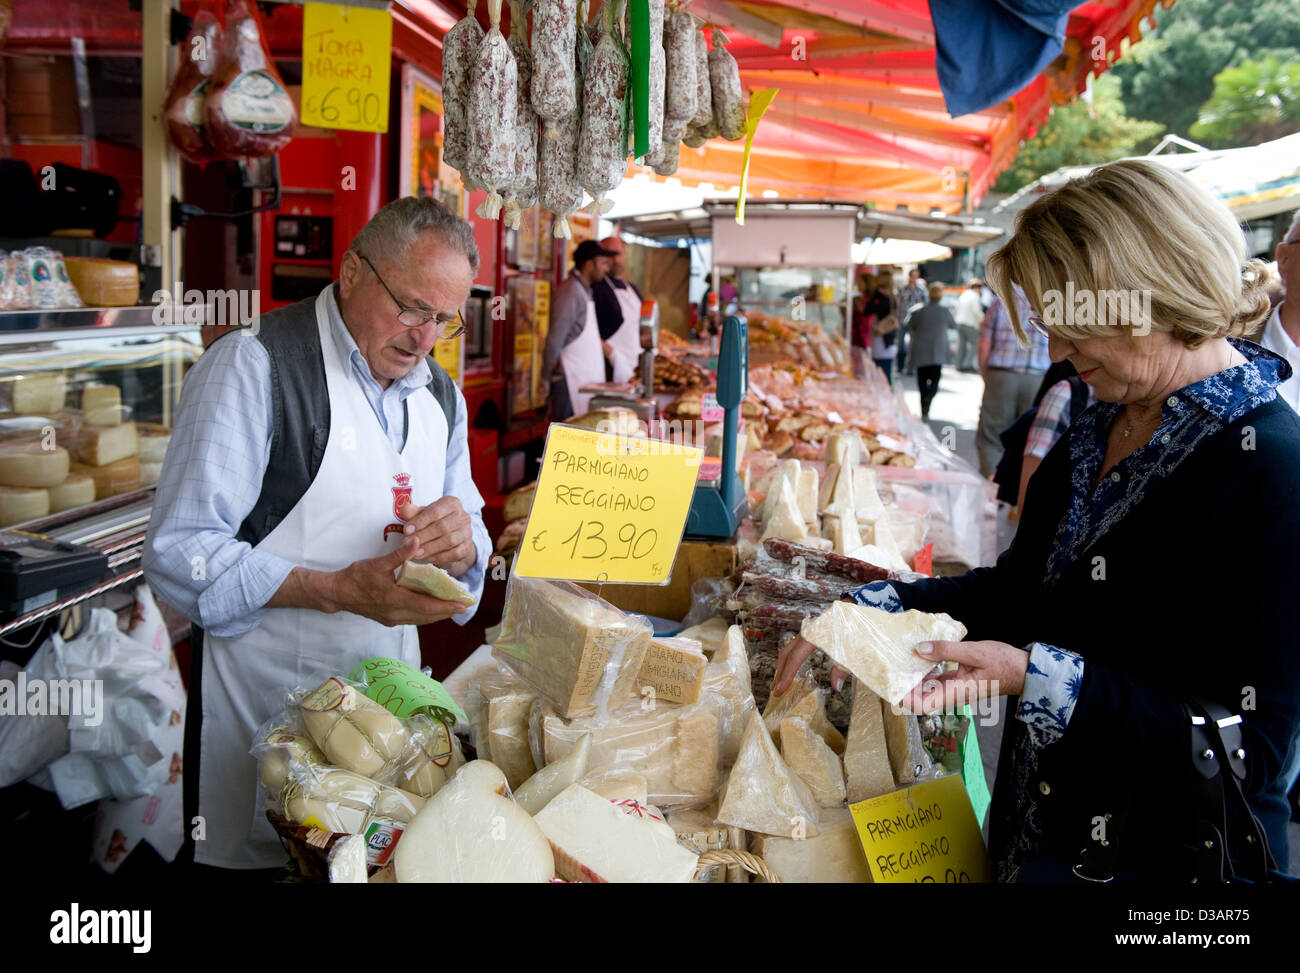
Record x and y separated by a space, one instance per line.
576 649
832 855
674 669
786 519
816 764
471 832
803 701
594 841
338 800
878 647
763 793
536 792
429 579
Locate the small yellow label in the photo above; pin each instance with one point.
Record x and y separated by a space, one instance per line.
608 508
346 67
927 833
326 697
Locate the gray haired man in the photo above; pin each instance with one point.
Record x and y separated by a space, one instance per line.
309 459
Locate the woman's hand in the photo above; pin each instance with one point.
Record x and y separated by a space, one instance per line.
984 670
791 657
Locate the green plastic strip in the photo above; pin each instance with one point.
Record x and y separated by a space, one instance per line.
972 771
640 29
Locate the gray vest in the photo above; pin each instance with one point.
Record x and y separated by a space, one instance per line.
300 402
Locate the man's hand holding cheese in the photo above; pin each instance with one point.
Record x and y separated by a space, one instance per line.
313 461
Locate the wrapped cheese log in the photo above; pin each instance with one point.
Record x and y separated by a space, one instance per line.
523 193
459 52
728 99
555 78
183 103
493 116
681 98
604 91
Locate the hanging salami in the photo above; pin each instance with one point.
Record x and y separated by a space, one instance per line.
247 111
669 155
680 94
655 112
555 76
459 50
601 144
493 116
728 98
183 105
523 191
703 118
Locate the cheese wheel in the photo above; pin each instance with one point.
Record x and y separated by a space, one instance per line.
34 393
76 491
104 283
112 478
19 504
154 439
101 445
27 463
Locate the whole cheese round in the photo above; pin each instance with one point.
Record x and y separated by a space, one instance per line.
18 504
27 463
111 479
76 491
104 283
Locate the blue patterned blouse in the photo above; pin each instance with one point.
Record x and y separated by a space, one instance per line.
1054 675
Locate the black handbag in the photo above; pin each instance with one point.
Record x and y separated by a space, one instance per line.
1229 842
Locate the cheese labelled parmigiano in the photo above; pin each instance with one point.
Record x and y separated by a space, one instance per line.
75 491
576 649
29 464
866 756
20 504
471 832
763 793
120 477
877 646
594 841
834 854
101 445
674 669
429 579
816 764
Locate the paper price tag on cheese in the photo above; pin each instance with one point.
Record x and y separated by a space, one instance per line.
608 508
926 833
346 55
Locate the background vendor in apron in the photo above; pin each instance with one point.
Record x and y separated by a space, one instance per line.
573 356
310 456
618 315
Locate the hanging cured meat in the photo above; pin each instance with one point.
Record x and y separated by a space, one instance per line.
493 116
183 105
555 75
523 191
247 111
601 144
459 48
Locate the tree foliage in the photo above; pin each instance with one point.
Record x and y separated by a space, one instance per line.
1258 101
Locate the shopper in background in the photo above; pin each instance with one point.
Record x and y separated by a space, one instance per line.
1282 332
1091 618
1012 372
970 314
929 324
910 297
1059 406
883 307
860 333
618 315
574 355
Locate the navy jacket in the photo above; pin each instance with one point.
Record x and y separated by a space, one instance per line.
1200 597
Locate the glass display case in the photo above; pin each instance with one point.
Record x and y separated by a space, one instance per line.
816 294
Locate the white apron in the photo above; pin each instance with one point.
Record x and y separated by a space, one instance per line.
346 514
626 341
584 361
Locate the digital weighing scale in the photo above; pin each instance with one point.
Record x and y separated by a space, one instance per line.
717 509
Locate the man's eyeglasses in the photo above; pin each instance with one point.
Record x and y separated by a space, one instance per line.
417 317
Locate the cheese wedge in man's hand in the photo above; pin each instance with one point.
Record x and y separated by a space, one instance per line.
879 647
429 579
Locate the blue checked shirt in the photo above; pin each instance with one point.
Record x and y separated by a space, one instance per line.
1007 351
212 476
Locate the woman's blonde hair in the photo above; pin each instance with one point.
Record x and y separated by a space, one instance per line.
1133 241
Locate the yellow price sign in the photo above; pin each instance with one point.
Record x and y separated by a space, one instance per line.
926 833
608 508
346 58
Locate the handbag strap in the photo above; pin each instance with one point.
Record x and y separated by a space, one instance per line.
1227 828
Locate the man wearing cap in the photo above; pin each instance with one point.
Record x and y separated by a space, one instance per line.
575 354
969 316
618 315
